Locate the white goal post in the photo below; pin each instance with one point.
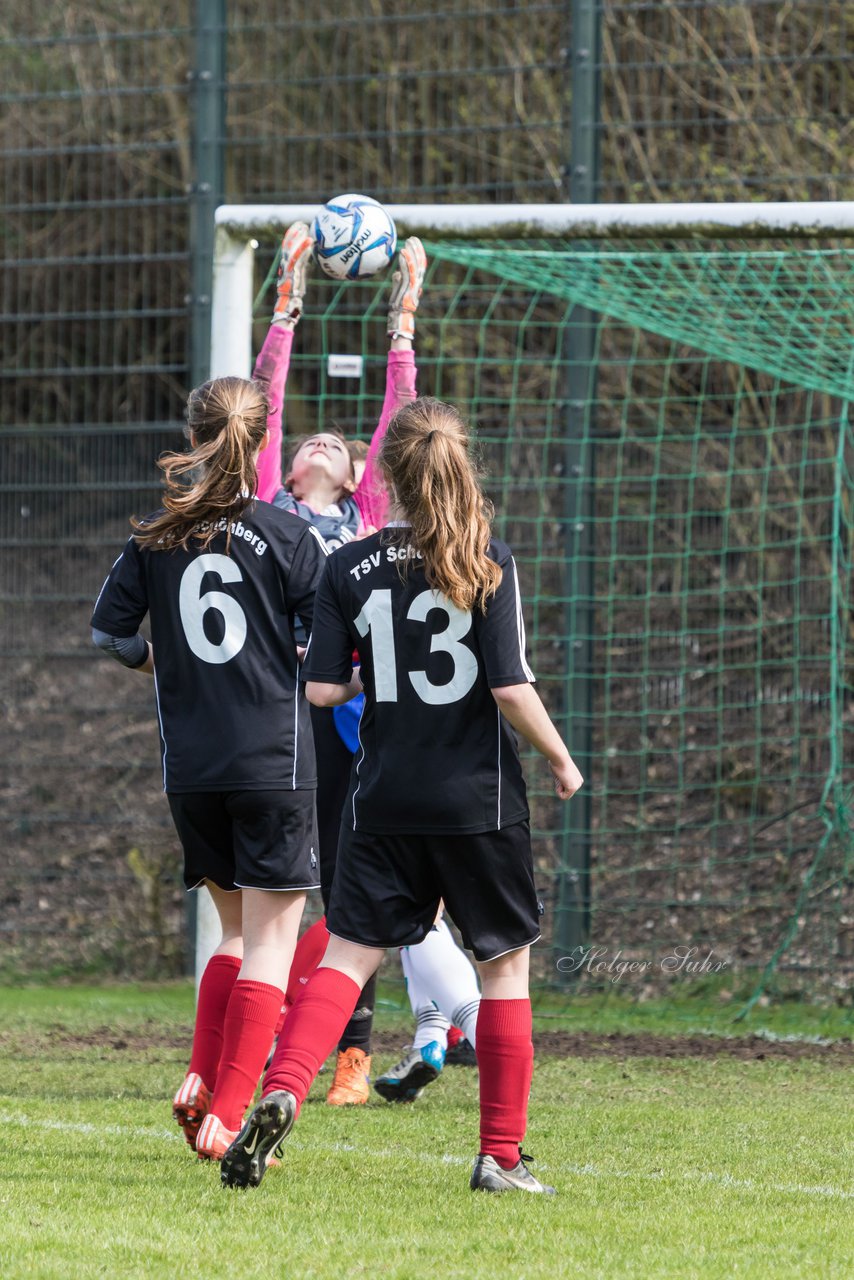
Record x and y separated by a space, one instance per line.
239 225
238 228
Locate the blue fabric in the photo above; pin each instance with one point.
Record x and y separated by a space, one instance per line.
347 718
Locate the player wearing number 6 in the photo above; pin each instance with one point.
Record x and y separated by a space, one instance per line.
437 806
222 577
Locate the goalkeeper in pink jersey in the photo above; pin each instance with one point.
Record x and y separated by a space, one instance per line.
320 486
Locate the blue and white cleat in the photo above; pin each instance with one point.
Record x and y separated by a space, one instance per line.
406 1081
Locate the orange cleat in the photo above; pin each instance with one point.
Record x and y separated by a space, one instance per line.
213 1138
350 1088
190 1105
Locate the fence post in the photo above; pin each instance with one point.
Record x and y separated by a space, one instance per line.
572 924
207 80
208 88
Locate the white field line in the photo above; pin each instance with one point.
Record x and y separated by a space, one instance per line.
724 1180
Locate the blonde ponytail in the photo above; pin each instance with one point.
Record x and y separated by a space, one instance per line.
425 456
226 421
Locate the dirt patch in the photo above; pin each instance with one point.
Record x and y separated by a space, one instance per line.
587 1044
553 1044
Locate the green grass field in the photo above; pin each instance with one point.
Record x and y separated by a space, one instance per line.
679 1166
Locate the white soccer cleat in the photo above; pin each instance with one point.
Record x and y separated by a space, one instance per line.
487 1175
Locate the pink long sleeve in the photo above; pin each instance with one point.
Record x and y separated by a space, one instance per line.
271 368
371 496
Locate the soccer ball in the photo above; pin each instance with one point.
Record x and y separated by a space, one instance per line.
353 237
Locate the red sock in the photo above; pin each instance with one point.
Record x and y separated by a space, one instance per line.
312 1030
454 1037
215 990
505 1059
308 955
247 1036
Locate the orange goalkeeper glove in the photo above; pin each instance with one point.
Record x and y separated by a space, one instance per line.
406 285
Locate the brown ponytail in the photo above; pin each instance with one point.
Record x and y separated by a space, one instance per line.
226 421
425 456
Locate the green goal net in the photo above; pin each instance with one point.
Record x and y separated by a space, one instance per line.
666 437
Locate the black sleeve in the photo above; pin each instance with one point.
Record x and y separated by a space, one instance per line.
329 657
303 576
501 632
123 601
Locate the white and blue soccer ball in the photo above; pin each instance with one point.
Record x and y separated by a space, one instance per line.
353 237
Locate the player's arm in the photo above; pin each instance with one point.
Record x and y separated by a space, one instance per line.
133 652
323 694
407 284
328 671
521 706
501 638
120 608
271 367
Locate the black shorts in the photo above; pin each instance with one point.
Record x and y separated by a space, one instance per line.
247 839
387 889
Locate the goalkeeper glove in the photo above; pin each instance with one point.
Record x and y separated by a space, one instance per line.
406 285
293 270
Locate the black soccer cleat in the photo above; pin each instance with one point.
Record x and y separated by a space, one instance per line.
461 1054
487 1175
246 1160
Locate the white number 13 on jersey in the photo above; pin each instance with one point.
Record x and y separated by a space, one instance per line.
376 617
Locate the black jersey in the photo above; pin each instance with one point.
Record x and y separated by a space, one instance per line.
233 715
435 754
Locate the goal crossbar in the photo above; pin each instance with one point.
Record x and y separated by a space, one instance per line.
579 221
239 226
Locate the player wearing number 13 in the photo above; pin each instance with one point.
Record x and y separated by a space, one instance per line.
222 577
437 807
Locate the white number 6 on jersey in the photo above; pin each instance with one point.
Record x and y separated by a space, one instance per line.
193 607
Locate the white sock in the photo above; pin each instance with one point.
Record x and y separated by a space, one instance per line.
430 1024
442 974
465 1017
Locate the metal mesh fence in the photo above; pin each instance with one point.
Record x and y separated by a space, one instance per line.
461 101
94 335
726 101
